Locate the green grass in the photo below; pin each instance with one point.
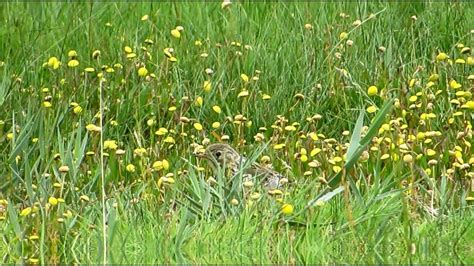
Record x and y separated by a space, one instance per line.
392 210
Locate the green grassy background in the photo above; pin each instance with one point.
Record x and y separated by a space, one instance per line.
379 221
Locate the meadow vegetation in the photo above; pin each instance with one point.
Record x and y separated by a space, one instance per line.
366 107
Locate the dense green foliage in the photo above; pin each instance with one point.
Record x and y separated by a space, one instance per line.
282 83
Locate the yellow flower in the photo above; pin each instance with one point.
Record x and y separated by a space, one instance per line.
169 139
175 33
25 211
53 201
53 62
454 84
77 110
93 128
430 152
371 109
207 86
308 26
198 126
216 109
145 17
161 131
290 128
216 125
63 169
73 63
372 91
470 60
161 165
72 53
244 77
343 35
128 49
266 97
225 4
434 77
142 72
287 209
84 198
243 93
279 146
413 98
95 54
130 168
110 145
199 101
139 152
407 158
468 105
442 57
234 202
47 104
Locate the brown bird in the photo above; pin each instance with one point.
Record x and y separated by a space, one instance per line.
223 156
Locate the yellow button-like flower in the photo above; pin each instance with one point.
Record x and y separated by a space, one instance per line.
371 109
77 110
470 60
244 77
110 145
53 201
93 128
73 63
372 91
266 97
468 105
453 84
84 198
442 57
234 202
169 139
407 158
216 109
25 211
72 53
216 125
279 146
287 209
430 152
207 86
290 128
175 33
142 71
197 126
53 62
128 49
243 93
161 131
130 168
413 98
199 101
343 35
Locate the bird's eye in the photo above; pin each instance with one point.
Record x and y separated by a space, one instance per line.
218 154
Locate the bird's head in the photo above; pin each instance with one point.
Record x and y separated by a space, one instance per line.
220 154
